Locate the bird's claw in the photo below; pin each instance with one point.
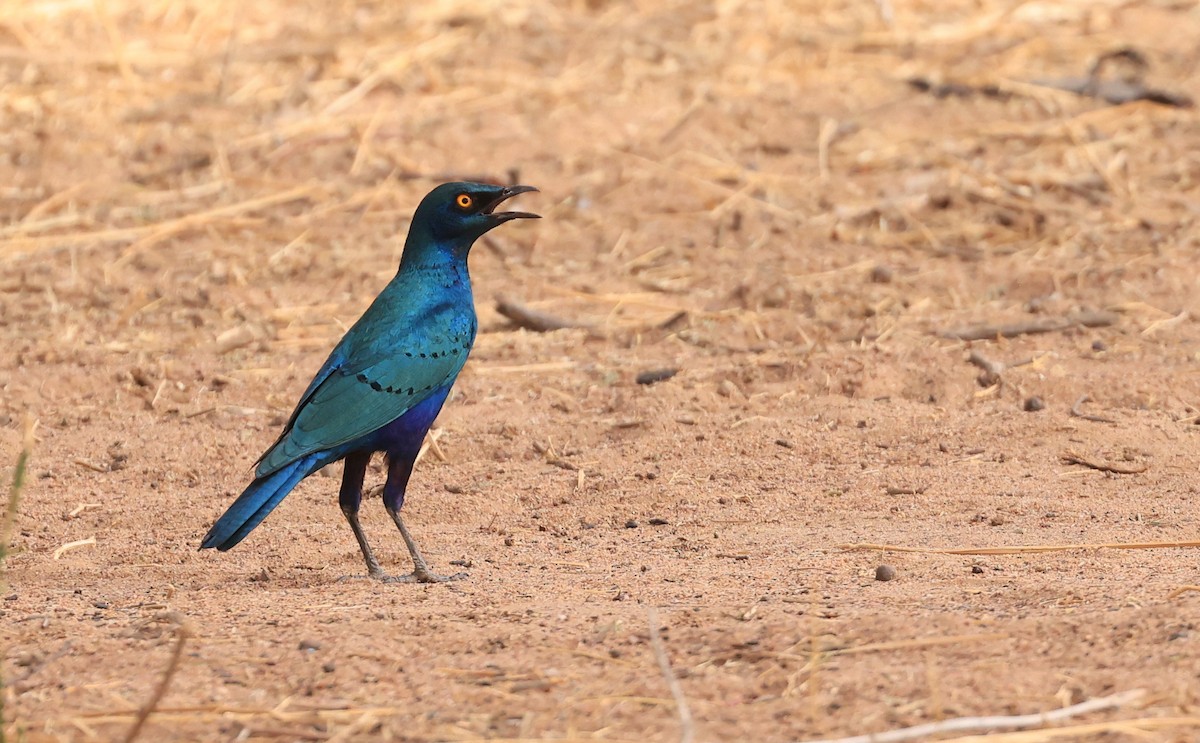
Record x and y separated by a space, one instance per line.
421 576
371 575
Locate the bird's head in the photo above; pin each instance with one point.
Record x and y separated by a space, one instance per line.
454 215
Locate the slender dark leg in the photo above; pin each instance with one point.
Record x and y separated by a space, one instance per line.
399 470
349 498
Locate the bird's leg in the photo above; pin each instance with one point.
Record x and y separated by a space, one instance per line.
399 470
421 572
349 497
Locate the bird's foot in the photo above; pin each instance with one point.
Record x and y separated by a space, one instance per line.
372 574
422 575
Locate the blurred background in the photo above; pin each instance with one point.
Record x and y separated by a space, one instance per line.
772 228
714 157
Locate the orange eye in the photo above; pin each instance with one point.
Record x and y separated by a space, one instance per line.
464 201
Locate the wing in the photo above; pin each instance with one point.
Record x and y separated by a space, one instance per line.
391 360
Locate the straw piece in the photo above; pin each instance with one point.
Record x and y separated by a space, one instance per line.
17 247
1019 550
994 722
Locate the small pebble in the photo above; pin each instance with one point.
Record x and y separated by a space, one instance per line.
656 521
1033 404
100 604
881 274
631 524
329 668
784 443
885 573
310 645
1099 346
976 570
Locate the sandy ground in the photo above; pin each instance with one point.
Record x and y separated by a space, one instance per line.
196 200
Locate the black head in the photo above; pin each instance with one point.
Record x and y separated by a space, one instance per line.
456 214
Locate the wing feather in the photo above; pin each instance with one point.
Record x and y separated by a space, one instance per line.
388 362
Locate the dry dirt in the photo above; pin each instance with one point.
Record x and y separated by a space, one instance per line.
197 198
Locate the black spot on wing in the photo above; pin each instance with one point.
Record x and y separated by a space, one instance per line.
389 389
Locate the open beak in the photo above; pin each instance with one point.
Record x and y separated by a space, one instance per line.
507 193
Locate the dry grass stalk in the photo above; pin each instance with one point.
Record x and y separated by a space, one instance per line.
1020 550
152 233
1071 457
1134 728
687 724
995 722
182 632
1077 412
7 522
1012 330
65 548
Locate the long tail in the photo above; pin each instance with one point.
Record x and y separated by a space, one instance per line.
255 502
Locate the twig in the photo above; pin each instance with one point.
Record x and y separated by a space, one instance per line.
994 368
1077 413
65 548
1012 330
1126 87
531 319
1182 590
653 376
553 457
920 642
182 633
1071 457
896 490
687 726
1017 550
993 722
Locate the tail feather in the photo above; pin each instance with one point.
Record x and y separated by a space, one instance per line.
255 502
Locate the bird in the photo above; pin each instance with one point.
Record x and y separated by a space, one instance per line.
386 380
